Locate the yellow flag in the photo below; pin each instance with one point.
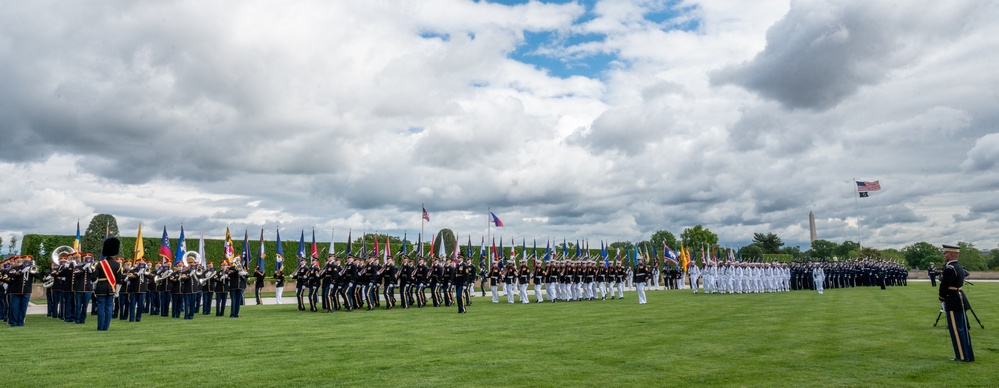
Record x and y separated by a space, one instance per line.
140 250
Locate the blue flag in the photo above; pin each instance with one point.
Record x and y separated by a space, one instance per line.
279 254
301 247
181 247
404 242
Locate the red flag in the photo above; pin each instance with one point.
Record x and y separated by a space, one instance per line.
315 250
376 244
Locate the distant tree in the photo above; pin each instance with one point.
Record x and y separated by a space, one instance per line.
1 242
921 254
822 249
623 245
795 252
848 249
770 242
971 258
994 259
664 237
892 254
751 252
13 243
868 253
93 239
698 237
447 236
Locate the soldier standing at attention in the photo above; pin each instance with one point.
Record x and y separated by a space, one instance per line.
641 276
955 303
932 272
462 273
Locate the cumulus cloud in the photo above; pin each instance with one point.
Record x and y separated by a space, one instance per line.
822 52
984 155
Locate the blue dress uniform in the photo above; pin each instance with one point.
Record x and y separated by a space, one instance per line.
19 279
220 284
108 275
955 305
68 303
237 283
208 290
137 288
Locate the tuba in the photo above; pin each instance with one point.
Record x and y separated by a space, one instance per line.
60 251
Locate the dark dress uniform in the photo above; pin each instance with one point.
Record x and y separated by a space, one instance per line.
389 276
220 284
207 290
955 304
136 294
108 274
83 289
462 273
68 305
258 283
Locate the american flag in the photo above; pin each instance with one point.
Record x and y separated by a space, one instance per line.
426 216
868 186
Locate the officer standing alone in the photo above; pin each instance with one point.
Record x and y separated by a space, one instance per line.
955 304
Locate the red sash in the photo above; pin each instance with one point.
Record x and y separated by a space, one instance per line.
106 268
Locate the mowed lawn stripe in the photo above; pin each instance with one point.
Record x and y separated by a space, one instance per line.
846 337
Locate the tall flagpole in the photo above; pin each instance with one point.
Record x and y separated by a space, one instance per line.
423 208
856 201
489 225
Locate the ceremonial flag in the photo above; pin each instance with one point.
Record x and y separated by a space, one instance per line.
634 256
332 243
426 216
523 249
432 245
578 253
548 250
246 249
668 254
603 253
469 250
565 250
228 250
140 247
457 247
364 245
315 249
349 242
617 257
376 245
76 243
279 252
262 254
388 249
301 246
166 254
201 247
181 246
404 242
495 220
535 250
502 254
482 250
493 250
443 253
419 244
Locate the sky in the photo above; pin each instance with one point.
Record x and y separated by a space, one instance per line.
599 120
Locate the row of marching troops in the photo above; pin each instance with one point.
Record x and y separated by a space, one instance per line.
740 277
366 283
863 273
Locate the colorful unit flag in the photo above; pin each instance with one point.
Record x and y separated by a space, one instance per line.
166 254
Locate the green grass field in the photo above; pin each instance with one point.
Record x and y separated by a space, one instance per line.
847 337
